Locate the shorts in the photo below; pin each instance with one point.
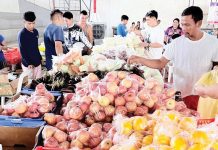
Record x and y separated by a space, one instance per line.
36 72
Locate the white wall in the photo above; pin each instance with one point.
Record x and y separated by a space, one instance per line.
11 6
110 11
42 3
12 18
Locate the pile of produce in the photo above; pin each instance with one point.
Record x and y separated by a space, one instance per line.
61 81
128 44
119 92
120 52
72 134
100 62
87 115
164 130
39 103
69 62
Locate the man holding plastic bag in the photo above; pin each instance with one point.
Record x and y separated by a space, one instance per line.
207 89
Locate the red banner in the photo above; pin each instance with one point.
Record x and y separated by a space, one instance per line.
94 6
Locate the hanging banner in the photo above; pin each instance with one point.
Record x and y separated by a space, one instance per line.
213 13
94 6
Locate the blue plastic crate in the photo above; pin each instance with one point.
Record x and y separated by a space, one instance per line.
20 122
28 91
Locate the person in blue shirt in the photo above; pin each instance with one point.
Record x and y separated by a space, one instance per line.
54 37
2 47
121 29
28 45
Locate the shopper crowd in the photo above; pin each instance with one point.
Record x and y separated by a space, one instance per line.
192 51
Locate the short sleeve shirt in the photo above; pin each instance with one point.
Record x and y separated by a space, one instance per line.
154 35
122 30
191 59
52 33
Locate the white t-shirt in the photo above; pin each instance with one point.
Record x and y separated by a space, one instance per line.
154 35
191 59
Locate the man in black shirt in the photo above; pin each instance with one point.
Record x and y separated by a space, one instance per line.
28 45
73 33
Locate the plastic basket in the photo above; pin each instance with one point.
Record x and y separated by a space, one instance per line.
12 56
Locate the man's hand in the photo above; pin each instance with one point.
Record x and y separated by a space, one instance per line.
58 48
30 67
135 59
215 67
143 44
200 90
3 46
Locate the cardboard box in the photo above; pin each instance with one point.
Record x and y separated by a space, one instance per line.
9 88
4 79
12 136
15 148
20 132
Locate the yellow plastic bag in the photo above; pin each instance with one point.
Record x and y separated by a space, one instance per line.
208 107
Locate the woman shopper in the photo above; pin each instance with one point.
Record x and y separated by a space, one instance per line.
172 30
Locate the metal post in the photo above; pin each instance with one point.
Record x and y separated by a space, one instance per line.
53 4
90 5
80 6
69 5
